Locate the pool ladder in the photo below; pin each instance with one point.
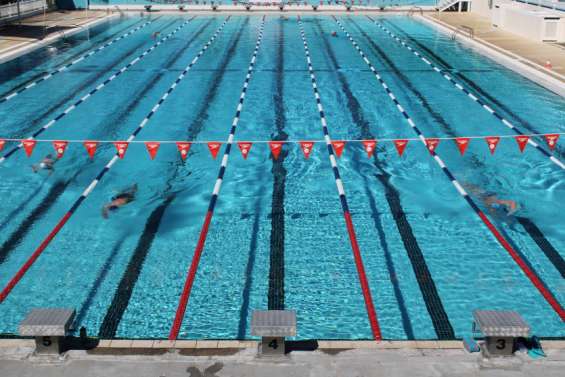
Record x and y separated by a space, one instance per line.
463 29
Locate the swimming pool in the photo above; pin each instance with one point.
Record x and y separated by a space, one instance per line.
277 238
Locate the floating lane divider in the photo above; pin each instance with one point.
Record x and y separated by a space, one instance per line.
372 314
470 95
191 275
523 264
69 65
93 91
23 269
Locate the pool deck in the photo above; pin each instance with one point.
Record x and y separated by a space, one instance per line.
239 358
36 31
532 53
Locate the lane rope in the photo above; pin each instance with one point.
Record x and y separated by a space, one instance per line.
191 274
282 141
23 269
536 281
470 95
83 99
371 312
69 65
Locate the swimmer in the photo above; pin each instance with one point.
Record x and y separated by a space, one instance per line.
155 35
47 164
334 33
120 200
492 202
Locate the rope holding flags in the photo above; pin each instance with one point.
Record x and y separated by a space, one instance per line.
306 146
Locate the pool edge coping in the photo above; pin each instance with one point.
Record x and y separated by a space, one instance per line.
245 344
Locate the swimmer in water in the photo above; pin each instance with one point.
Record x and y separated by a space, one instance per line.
47 164
494 204
155 35
334 33
120 200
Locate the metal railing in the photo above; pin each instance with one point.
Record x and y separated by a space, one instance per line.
463 28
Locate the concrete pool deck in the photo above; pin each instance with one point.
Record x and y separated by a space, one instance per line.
18 38
532 53
239 358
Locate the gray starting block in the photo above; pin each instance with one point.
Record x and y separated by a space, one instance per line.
273 326
500 329
49 327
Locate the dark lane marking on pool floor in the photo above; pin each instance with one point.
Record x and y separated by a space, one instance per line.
350 227
122 297
44 76
117 119
131 274
470 95
276 260
198 250
84 98
539 238
432 300
38 212
516 256
88 190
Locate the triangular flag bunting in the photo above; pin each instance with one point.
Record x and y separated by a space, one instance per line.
492 142
432 144
183 147
462 144
551 140
2 142
306 147
244 147
369 146
91 147
276 147
214 148
121 148
522 141
152 148
28 146
338 147
60 147
400 146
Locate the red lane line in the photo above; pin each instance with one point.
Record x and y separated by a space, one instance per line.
363 279
21 272
181 309
525 268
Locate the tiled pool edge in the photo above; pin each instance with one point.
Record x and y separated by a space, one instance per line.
516 63
245 344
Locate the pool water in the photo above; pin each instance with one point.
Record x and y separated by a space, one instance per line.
278 239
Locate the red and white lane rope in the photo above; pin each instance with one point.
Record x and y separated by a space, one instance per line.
531 274
69 109
69 65
23 269
371 312
470 95
191 275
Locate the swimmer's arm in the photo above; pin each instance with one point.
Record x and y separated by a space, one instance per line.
105 210
510 204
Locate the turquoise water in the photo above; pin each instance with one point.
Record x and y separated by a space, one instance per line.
124 275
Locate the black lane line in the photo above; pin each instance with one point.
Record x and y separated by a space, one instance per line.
8 218
72 92
433 302
124 291
38 212
21 67
122 295
550 252
276 266
486 97
117 119
244 310
98 282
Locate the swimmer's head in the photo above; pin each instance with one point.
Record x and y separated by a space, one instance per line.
49 156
